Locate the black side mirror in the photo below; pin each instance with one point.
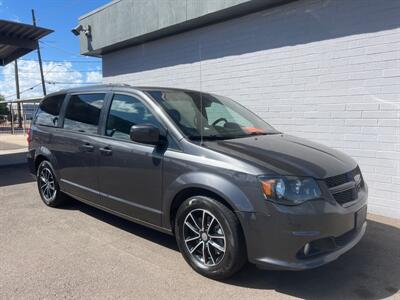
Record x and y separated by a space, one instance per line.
146 134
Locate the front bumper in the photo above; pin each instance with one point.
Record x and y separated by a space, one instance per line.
311 262
277 235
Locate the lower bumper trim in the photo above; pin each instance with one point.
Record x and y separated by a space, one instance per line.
298 265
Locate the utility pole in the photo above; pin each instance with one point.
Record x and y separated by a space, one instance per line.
39 57
18 94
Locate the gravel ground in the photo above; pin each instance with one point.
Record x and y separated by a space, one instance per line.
79 252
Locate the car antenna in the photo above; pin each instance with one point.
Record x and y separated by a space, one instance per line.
201 96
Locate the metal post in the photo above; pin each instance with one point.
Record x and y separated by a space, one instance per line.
39 57
12 118
18 94
24 116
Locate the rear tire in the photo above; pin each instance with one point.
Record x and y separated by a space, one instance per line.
210 237
49 189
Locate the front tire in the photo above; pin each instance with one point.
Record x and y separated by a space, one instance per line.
49 189
210 238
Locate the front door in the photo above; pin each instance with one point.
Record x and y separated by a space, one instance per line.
130 174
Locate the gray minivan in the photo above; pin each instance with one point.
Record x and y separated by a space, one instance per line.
230 187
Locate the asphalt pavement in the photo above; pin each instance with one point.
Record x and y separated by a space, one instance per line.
79 252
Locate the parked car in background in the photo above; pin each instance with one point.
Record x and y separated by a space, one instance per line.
230 187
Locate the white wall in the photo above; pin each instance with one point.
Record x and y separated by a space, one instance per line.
324 70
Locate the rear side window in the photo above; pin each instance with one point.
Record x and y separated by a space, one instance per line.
49 110
83 112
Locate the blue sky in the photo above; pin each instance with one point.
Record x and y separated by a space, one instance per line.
60 50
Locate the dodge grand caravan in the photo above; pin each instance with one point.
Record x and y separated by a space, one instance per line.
230 187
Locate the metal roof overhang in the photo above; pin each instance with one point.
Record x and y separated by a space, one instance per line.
17 39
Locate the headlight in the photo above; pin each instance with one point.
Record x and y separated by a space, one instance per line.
290 190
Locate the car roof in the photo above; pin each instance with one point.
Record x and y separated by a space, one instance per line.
113 86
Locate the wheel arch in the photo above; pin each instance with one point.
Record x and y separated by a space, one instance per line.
38 160
45 154
188 192
205 184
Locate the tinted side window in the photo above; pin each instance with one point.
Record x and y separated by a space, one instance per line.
125 112
83 112
48 111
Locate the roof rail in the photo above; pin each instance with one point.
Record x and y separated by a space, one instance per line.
120 84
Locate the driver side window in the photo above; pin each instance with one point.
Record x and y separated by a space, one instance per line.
126 111
218 111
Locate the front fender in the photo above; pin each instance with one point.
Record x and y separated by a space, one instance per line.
208 181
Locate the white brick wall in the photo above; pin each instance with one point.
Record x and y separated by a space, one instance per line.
328 71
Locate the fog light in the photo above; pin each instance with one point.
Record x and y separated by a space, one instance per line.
306 249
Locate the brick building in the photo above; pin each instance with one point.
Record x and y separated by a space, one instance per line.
325 70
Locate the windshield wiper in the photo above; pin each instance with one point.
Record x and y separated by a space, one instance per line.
210 137
264 133
215 137
258 133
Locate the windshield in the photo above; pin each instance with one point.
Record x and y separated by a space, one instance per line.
214 117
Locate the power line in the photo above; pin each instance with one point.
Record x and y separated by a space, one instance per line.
59 48
62 61
60 82
26 75
54 83
69 71
31 88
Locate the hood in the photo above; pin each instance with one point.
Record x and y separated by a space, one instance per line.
286 155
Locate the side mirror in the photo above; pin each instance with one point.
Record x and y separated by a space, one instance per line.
145 134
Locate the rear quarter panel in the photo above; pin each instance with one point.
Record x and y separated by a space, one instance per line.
42 145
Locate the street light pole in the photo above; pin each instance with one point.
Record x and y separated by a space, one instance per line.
18 94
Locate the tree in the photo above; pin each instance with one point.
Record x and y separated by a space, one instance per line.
3 107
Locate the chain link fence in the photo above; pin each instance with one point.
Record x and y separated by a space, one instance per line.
16 116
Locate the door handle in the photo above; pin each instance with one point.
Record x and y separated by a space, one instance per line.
106 151
86 147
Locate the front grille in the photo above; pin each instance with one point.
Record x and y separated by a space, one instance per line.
337 180
342 178
346 196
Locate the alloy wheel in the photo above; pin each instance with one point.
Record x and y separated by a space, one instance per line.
204 237
47 184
